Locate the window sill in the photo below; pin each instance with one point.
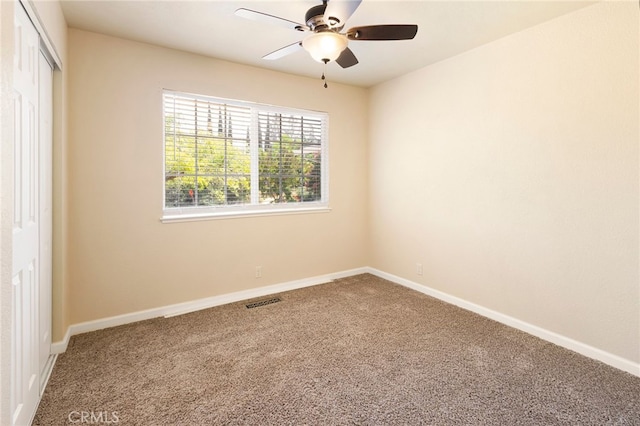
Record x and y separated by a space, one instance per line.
195 217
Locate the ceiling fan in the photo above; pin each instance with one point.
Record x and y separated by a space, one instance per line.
326 42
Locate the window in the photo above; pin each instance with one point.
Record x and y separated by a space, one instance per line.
225 157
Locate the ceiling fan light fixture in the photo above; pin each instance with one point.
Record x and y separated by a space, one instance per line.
325 46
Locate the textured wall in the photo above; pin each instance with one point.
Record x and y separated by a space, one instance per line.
121 258
511 173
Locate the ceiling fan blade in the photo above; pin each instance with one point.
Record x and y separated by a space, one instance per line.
283 51
270 19
347 58
383 32
340 9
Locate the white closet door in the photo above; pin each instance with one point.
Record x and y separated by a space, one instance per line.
25 381
46 216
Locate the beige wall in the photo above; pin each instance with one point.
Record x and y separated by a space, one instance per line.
519 192
511 173
121 258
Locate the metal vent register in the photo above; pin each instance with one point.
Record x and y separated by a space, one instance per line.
263 302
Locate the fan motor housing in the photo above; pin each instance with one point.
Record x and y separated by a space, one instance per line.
315 18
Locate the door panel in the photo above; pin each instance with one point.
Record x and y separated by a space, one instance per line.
25 355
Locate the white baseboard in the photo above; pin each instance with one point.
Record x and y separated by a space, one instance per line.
566 342
61 345
195 305
209 302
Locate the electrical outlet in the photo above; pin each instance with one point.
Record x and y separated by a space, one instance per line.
258 271
419 268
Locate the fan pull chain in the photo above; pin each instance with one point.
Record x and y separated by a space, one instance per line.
323 71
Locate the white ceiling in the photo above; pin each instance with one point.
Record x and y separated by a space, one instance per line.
446 28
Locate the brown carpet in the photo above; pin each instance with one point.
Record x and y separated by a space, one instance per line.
359 350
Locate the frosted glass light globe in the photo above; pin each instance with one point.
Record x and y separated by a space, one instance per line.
325 46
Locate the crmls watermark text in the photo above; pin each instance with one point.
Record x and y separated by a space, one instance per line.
93 417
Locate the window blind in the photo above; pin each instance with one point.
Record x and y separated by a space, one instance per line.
224 154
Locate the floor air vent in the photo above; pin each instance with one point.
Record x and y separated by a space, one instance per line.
263 302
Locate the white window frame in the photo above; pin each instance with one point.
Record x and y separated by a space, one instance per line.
182 214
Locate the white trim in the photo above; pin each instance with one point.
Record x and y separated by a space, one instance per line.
61 346
51 51
209 302
550 336
196 305
235 214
